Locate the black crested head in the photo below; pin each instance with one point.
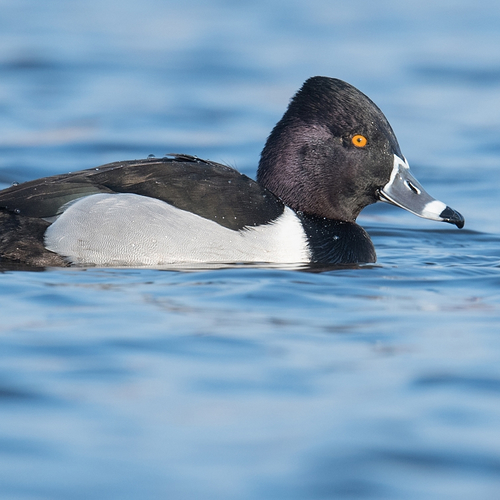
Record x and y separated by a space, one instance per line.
330 153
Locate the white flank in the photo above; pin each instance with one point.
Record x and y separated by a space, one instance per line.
132 230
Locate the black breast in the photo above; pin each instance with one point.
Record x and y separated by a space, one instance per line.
337 242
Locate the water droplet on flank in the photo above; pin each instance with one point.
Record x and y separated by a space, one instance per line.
151 156
15 183
17 211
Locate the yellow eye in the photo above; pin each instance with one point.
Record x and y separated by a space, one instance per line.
359 141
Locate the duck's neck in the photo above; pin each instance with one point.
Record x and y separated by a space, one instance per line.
336 242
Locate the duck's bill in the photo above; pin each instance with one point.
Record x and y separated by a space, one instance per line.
404 191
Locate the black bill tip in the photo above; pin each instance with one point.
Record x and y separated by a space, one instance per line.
453 217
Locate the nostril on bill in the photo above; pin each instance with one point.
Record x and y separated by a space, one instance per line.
415 189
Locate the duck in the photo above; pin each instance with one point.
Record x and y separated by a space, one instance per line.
332 154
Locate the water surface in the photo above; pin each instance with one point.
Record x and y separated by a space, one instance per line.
378 381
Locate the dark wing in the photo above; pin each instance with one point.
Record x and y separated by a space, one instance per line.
208 189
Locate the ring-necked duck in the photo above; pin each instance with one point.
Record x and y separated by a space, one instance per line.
332 154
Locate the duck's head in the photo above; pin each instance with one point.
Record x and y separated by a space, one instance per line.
334 152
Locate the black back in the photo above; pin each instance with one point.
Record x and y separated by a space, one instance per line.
208 189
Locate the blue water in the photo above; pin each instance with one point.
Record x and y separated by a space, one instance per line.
255 383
